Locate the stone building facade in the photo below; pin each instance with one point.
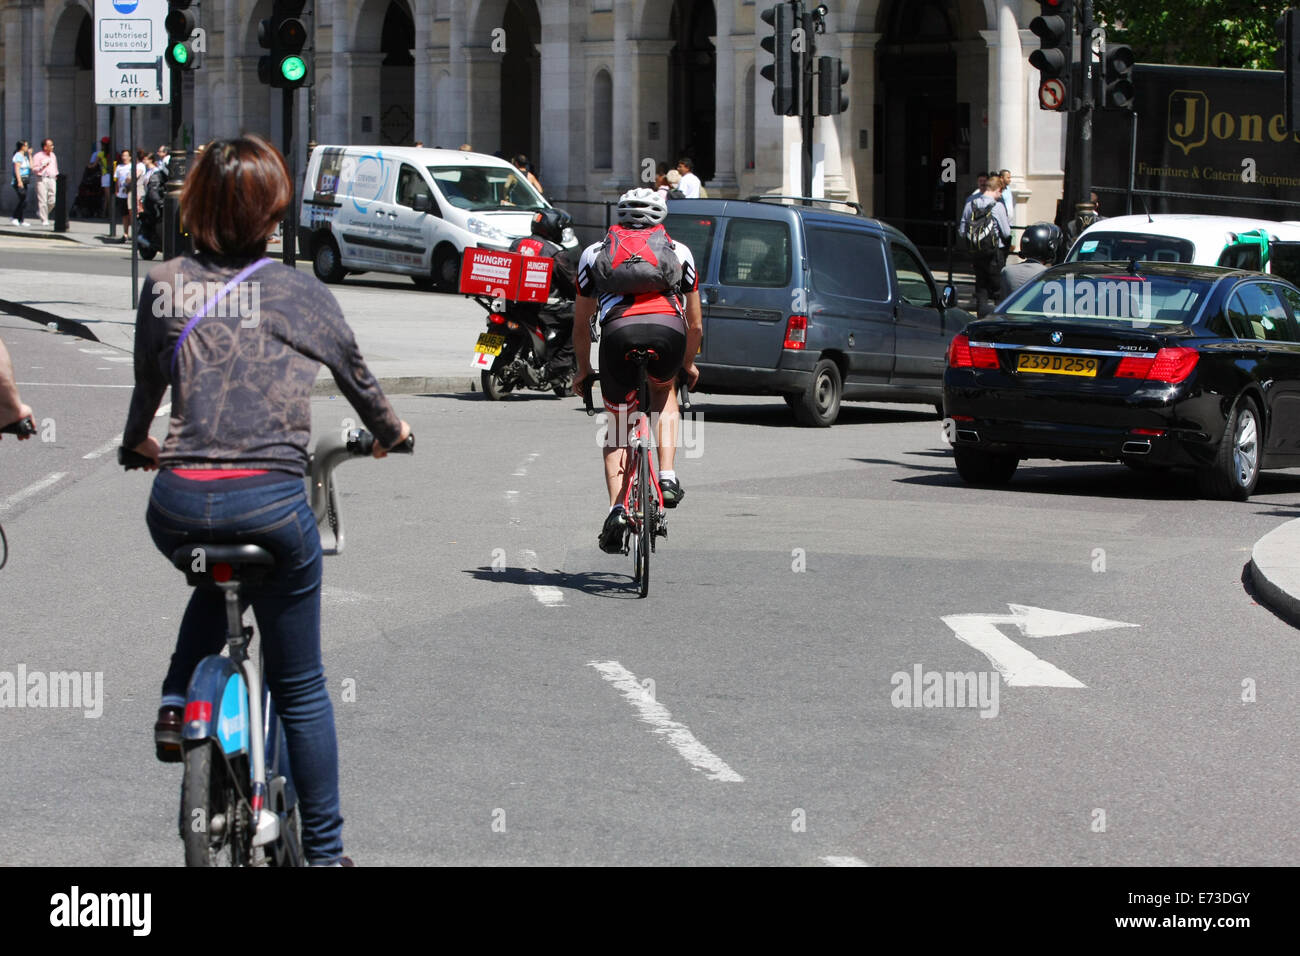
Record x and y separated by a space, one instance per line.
593 90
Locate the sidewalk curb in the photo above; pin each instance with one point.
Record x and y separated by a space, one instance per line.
1275 570
35 232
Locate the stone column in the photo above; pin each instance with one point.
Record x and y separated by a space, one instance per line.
230 43
856 175
456 104
423 72
724 179
650 65
624 163
563 117
364 82
483 98
342 122
1011 97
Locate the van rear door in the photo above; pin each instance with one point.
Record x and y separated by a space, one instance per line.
750 302
698 233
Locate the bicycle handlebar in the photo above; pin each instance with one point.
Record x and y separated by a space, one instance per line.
24 426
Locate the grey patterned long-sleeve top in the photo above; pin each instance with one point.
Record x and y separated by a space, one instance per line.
243 376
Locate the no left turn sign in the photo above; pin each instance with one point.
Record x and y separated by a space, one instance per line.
1051 94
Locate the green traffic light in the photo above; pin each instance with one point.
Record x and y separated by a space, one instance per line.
292 68
180 54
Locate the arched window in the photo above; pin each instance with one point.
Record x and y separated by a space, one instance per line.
602 116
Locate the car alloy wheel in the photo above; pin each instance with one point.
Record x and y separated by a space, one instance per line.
1245 448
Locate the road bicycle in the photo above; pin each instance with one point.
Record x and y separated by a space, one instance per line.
643 502
238 805
24 426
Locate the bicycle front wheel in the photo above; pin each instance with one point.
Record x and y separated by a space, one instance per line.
214 816
645 528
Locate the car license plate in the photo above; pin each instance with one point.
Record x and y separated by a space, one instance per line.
1044 364
490 344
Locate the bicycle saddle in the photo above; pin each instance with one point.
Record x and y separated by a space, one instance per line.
199 561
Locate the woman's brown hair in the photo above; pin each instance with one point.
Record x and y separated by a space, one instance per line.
236 192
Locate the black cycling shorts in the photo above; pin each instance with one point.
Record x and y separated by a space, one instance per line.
664 334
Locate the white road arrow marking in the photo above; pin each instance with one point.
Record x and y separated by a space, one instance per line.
1018 666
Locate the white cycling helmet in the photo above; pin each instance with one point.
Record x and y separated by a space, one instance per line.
641 207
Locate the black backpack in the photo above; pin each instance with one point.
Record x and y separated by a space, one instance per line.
982 231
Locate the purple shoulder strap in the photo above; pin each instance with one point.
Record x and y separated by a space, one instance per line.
207 306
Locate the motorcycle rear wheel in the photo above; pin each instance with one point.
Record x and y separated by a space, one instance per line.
493 388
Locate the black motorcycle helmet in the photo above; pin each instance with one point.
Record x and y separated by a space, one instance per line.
550 224
1040 241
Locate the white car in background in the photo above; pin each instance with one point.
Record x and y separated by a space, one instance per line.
410 211
1256 244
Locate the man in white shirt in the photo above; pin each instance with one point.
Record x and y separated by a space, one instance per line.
1008 198
690 184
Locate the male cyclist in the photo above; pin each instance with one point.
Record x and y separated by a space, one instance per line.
666 320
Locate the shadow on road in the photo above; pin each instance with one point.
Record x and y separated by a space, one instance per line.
777 415
605 584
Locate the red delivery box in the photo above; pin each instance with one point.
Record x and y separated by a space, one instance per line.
534 279
489 272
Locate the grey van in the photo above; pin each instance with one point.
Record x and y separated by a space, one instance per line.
814 305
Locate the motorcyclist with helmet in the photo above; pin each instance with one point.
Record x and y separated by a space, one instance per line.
1038 247
557 314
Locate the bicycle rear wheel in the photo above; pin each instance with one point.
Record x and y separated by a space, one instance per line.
214 816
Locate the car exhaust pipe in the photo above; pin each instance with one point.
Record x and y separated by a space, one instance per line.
967 434
1137 448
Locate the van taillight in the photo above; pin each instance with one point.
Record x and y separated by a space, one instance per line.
961 354
796 332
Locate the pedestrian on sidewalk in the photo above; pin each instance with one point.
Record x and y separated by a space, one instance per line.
126 203
21 177
99 158
986 231
45 167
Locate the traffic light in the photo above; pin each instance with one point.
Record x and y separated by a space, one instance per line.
284 34
1288 35
1054 28
1119 85
786 69
831 76
181 23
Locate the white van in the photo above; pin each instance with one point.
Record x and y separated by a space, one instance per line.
1256 244
410 211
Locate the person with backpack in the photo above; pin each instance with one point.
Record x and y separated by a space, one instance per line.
642 289
985 229
547 234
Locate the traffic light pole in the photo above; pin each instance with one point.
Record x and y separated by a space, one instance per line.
1084 184
172 240
289 231
809 112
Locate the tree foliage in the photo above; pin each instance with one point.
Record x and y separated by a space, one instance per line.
1195 32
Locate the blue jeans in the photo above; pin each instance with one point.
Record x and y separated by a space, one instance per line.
275 514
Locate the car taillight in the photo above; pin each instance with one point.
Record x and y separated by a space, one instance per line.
961 354
796 332
1168 365
497 319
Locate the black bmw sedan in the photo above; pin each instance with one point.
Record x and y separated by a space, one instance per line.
1148 363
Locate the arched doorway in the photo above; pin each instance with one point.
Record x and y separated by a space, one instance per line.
71 107
692 84
397 77
921 122
521 75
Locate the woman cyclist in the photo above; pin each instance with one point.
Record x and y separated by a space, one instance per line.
235 456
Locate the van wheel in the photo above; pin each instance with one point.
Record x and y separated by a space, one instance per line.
446 269
325 262
819 405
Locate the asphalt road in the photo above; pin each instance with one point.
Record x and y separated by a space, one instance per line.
503 697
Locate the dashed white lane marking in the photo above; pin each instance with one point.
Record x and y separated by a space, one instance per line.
523 468
32 489
104 449
545 593
843 861
657 716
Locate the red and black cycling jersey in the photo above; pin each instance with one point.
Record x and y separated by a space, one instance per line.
651 303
